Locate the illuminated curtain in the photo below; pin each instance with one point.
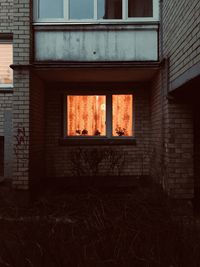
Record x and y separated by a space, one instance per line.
5 61
122 110
140 8
86 115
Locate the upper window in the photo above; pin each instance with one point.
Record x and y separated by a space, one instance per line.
101 10
6 59
108 115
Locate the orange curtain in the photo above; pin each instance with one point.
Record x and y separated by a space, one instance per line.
122 118
86 115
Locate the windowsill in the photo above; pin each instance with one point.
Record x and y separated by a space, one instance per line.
95 23
77 141
4 88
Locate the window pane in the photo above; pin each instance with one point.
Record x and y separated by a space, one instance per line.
109 9
6 59
122 118
140 8
86 115
50 9
81 9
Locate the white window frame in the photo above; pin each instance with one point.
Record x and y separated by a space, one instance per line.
109 126
6 41
125 18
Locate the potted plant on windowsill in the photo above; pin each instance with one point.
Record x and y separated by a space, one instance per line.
84 132
120 131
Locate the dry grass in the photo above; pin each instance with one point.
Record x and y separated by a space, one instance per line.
98 229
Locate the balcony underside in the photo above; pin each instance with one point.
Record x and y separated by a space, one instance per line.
96 72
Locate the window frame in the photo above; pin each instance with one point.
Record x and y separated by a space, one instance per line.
7 40
125 18
109 126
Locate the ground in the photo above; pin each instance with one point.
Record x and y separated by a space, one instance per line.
96 227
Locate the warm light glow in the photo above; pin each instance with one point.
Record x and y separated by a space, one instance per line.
85 115
122 118
6 55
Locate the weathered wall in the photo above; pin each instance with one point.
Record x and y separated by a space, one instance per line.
181 36
179 149
21 98
37 128
172 142
179 44
6 16
156 129
197 146
58 156
97 43
6 97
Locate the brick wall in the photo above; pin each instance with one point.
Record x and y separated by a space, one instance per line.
156 129
171 113
179 148
6 16
197 147
37 128
6 97
181 35
5 104
22 38
136 156
172 141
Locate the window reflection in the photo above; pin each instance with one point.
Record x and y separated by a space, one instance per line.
109 9
50 9
140 8
81 9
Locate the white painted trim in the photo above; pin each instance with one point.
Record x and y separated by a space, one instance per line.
124 9
156 9
95 10
66 9
35 10
6 86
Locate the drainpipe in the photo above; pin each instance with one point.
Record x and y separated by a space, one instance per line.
164 68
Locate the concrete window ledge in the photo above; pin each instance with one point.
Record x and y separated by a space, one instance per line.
97 141
6 90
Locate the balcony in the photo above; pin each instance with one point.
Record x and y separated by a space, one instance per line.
102 31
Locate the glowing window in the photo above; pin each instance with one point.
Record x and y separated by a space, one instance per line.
122 115
99 115
6 59
86 115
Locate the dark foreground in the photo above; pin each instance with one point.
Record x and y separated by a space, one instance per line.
97 228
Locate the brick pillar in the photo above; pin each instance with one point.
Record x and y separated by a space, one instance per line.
21 23
179 149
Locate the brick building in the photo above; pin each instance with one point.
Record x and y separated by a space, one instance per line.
129 69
